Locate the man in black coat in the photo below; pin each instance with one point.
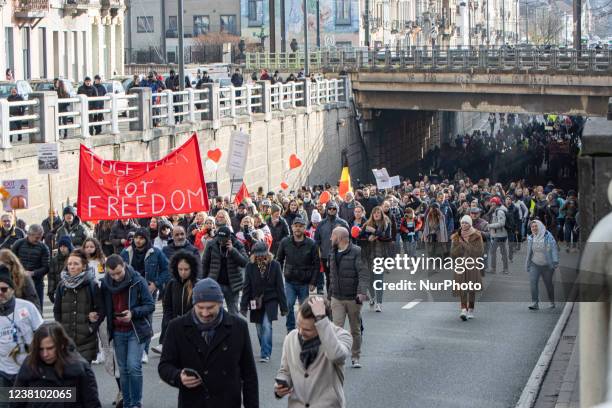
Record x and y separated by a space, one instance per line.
100 104
9 232
207 355
90 91
35 257
179 242
278 228
120 232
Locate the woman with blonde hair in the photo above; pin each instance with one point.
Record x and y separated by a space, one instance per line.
24 285
205 234
222 218
377 230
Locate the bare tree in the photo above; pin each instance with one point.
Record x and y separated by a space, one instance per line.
548 27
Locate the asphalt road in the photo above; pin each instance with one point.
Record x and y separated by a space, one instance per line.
414 354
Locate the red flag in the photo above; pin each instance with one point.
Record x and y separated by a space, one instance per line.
242 194
110 189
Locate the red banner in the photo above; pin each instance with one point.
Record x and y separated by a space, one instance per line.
110 190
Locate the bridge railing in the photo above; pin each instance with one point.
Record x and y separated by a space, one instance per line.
438 58
21 122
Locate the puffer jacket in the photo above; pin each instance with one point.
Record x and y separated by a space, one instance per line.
323 234
33 257
8 238
72 307
349 275
77 232
236 259
497 226
300 260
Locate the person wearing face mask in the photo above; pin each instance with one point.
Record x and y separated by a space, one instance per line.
311 372
78 304
263 294
467 244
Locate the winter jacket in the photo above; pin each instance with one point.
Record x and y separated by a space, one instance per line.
552 252
271 287
72 307
278 231
321 385
140 302
349 275
473 248
497 226
8 238
48 232
28 292
172 248
77 232
236 259
300 260
323 234
53 277
34 258
89 91
175 302
104 236
156 265
119 232
101 90
227 366
77 375
346 211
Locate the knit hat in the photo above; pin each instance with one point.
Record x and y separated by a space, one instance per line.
69 210
259 249
143 233
65 241
5 276
331 204
496 200
467 219
315 217
207 290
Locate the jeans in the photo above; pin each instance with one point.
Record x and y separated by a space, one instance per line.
546 271
264 334
39 285
340 310
501 244
231 299
294 291
128 352
569 235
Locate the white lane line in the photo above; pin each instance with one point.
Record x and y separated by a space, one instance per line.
412 304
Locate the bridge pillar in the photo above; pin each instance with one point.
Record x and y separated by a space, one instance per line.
143 113
266 99
47 112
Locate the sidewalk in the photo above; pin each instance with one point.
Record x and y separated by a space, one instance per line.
560 388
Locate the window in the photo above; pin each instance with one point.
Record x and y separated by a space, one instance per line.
228 24
343 12
8 47
25 47
144 24
172 23
201 25
255 13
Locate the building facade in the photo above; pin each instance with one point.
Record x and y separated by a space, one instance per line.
151 29
62 38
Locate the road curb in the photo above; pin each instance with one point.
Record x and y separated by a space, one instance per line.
532 388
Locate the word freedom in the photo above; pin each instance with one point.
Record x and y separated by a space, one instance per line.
419 263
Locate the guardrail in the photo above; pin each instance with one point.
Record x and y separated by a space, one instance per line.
21 122
442 59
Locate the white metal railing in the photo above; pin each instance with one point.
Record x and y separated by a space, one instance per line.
81 116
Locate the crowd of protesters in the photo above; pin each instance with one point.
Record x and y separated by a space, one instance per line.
257 257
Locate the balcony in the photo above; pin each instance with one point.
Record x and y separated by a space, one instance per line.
112 4
30 9
75 7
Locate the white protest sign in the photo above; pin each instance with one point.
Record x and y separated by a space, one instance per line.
48 158
395 181
382 178
238 152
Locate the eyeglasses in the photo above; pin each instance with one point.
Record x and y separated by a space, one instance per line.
332 209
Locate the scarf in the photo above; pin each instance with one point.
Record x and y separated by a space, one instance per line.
115 287
310 350
207 330
8 307
262 265
466 234
73 282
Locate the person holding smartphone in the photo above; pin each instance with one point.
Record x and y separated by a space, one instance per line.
312 367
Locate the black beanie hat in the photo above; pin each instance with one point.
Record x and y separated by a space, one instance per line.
5 276
144 233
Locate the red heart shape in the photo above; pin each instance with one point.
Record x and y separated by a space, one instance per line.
294 162
284 185
214 155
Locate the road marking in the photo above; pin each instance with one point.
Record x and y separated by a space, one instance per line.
412 304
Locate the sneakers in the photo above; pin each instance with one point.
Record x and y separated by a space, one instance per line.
99 358
355 363
157 349
264 360
145 358
463 315
470 314
378 308
534 306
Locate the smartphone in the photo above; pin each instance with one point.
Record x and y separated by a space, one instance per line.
191 372
282 383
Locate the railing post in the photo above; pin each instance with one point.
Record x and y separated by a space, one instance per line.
266 100
346 87
232 101
191 105
144 112
114 119
307 89
169 107
214 115
84 114
5 142
281 96
249 95
47 110
292 85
